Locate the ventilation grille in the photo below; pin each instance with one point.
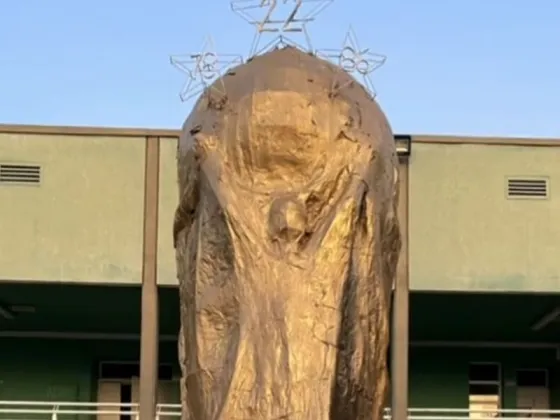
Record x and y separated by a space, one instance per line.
14 173
529 188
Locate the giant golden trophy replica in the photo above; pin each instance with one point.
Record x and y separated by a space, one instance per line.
287 242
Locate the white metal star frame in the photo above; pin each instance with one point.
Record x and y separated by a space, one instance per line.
279 17
354 60
203 69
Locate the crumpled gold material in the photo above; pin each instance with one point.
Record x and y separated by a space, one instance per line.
287 243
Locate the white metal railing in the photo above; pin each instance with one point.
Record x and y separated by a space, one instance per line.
31 410
36 410
478 414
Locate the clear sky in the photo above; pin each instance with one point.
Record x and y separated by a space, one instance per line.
480 67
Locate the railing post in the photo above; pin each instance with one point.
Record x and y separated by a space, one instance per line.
150 311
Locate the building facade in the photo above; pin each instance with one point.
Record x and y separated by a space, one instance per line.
85 233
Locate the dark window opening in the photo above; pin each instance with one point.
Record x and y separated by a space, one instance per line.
531 378
110 370
120 370
165 372
484 372
126 398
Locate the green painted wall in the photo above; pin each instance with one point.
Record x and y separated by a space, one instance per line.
168 200
84 221
439 376
62 370
464 234
91 194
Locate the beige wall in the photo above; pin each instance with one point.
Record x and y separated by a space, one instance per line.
168 199
84 221
464 232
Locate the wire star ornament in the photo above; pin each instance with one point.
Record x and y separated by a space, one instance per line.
280 17
354 60
203 69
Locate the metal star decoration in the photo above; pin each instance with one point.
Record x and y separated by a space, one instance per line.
280 17
203 69
354 60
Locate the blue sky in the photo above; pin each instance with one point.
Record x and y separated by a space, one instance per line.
479 67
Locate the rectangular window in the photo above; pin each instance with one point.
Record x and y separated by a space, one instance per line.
485 390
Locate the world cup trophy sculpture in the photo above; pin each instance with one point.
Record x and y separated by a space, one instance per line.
287 242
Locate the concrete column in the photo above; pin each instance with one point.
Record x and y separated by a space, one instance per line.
399 337
150 312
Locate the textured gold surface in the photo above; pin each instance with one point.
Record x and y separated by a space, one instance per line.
287 243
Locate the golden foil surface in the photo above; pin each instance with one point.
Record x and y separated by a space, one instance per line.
287 243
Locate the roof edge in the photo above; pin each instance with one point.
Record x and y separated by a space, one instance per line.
86 131
486 141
